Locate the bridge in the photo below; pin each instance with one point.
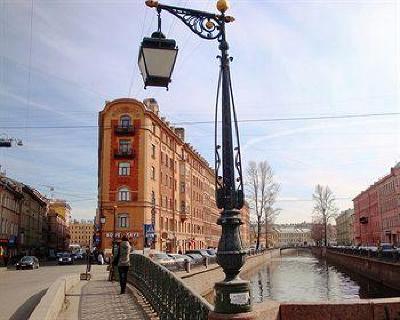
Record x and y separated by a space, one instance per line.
298 248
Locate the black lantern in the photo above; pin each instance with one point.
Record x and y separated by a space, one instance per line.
157 56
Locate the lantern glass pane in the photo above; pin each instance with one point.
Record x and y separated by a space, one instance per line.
159 62
142 67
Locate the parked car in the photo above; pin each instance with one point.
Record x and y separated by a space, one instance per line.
79 256
196 258
202 252
27 262
212 252
161 258
66 258
387 247
179 258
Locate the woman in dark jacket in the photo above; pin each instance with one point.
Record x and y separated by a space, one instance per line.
123 262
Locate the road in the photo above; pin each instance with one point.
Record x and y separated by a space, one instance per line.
20 290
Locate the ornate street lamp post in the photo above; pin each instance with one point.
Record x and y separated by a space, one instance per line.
156 61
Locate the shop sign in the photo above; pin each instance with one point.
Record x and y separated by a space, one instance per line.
12 241
119 235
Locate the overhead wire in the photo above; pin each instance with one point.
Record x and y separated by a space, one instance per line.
311 118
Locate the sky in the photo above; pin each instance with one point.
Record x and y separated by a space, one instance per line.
60 60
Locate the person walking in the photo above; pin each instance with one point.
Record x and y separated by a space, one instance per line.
123 262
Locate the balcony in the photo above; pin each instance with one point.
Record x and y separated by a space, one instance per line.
124 154
124 130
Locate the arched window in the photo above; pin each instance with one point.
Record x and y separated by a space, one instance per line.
125 121
123 194
124 169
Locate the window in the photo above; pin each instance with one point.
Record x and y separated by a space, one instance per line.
124 169
124 145
153 173
153 151
123 194
154 128
125 121
123 221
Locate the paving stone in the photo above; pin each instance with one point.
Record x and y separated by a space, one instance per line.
101 300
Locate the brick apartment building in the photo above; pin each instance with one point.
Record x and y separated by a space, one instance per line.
82 233
59 216
377 211
149 175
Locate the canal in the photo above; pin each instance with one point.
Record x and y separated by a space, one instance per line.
299 276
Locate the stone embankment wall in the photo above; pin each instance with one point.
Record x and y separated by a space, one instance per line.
384 272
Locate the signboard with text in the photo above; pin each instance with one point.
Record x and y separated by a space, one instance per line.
118 235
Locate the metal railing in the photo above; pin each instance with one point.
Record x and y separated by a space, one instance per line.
392 255
167 294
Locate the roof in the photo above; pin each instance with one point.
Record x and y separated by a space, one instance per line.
18 188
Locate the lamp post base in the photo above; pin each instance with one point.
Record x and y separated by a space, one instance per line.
232 297
237 316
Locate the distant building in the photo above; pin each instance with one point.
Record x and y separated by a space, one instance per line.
281 235
377 211
59 221
291 236
149 177
344 228
82 233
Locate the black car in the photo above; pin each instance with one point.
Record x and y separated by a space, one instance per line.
66 258
27 262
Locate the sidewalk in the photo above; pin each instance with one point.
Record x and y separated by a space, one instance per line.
99 299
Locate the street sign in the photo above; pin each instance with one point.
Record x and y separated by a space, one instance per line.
149 231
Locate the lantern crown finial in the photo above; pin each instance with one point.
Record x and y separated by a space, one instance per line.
222 5
151 3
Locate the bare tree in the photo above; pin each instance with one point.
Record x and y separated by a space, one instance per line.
261 194
324 207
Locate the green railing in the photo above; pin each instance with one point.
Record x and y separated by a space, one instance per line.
166 293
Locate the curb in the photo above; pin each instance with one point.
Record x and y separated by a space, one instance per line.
52 302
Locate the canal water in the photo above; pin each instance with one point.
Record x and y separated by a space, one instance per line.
300 276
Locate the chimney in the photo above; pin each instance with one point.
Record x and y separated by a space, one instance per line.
152 105
181 133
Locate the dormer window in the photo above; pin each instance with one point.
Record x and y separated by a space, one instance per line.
125 121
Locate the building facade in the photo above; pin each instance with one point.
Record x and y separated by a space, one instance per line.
82 233
377 211
23 219
344 228
291 236
59 215
149 177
